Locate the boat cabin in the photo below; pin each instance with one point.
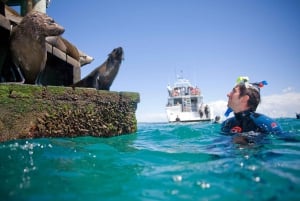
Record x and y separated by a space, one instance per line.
185 103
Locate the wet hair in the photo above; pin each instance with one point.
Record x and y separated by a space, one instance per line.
253 93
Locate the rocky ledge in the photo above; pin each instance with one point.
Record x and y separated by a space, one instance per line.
30 111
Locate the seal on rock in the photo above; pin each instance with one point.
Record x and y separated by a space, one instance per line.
103 76
28 44
70 49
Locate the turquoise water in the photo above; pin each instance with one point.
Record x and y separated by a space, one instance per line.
160 162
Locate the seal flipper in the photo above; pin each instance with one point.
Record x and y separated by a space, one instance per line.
38 80
20 75
41 79
100 84
11 72
17 75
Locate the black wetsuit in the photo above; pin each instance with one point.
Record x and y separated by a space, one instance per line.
249 127
247 121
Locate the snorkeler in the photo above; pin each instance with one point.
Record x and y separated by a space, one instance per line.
243 101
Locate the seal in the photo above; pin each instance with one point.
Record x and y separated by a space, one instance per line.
84 58
103 76
28 44
70 49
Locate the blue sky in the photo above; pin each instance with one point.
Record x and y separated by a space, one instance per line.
211 41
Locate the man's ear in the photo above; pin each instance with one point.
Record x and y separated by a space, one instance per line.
245 99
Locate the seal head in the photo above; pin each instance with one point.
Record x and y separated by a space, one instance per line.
103 76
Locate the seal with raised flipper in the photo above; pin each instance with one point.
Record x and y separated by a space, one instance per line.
28 44
103 76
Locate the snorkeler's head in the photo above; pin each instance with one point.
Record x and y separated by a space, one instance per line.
250 89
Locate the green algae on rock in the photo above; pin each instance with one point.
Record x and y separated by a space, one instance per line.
30 111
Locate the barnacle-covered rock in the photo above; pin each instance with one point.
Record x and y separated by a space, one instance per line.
65 112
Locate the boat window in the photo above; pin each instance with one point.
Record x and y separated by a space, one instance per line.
177 101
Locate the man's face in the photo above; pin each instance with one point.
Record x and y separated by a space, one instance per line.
234 100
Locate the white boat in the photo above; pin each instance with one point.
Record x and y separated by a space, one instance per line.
185 103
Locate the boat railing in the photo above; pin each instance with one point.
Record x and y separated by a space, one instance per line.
184 92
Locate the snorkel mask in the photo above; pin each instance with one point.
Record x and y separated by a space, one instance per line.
245 80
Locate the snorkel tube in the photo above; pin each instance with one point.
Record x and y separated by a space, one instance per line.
245 80
260 84
228 111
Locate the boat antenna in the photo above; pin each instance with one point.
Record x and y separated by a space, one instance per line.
181 74
176 73
195 76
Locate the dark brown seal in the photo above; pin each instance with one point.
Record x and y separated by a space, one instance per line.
28 43
103 76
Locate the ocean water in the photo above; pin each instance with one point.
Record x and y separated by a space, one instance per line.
160 161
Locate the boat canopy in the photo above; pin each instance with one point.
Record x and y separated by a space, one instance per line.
183 87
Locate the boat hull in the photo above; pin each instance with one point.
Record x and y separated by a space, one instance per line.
174 114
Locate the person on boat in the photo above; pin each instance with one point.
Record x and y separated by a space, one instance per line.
169 90
243 101
201 111
206 111
197 91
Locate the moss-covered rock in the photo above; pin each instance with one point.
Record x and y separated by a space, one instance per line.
29 111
